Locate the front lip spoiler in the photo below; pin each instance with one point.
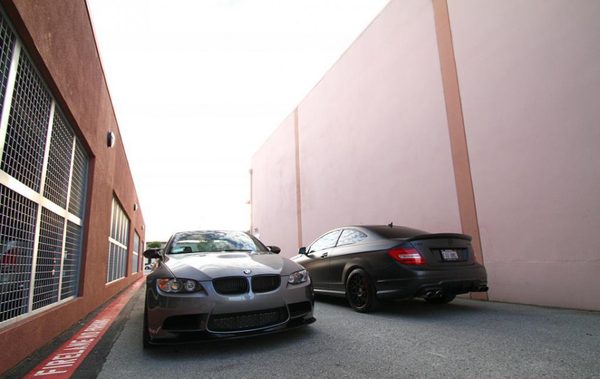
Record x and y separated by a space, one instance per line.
202 337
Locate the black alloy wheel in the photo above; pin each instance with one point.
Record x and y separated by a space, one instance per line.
360 291
444 299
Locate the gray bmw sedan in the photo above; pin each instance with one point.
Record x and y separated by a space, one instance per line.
222 284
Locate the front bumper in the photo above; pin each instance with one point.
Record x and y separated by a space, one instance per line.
207 316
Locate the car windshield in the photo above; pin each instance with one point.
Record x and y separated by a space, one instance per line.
214 241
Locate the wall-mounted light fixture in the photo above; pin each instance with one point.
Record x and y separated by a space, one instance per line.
110 139
135 207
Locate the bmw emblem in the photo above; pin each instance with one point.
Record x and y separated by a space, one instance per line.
247 271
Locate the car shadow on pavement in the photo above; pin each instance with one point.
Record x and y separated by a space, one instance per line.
414 308
217 348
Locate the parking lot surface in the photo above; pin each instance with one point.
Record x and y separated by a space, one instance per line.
464 339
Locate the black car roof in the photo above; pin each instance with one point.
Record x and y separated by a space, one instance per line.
387 231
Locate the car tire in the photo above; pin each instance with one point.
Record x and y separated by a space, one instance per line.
360 291
145 334
444 299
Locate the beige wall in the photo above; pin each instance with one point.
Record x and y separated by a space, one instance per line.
373 139
274 190
374 142
529 76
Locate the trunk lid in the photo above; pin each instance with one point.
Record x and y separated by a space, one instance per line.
444 250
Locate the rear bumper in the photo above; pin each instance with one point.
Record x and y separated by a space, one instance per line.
458 281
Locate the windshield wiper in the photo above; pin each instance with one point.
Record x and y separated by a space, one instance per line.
246 250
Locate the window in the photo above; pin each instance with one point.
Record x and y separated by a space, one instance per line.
327 241
217 241
135 263
351 236
118 241
43 176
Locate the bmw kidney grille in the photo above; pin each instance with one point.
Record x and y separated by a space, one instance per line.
239 285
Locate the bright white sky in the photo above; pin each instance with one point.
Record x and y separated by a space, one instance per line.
199 85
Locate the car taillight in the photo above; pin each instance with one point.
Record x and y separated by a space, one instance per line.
406 256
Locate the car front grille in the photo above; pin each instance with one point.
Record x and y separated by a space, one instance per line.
239 322
236 285
265 283
231 285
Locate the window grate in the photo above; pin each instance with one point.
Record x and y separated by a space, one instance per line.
59 162
7 44
118 241
49 255
25 141
78 181
71 259
135 263
36 274
17 234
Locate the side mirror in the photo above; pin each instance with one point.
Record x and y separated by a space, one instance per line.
302 251
274 249
152 254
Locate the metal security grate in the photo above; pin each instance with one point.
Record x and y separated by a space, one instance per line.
135 263
28 122
59 162
49 255
17 234
41 176
71 259
117 260
78 181
118 241
7 44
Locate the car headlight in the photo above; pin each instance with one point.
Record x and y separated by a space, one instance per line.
172 285
298 277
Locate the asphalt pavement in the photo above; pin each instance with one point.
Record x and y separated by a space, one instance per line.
412 339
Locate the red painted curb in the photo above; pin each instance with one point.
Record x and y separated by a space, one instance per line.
63 362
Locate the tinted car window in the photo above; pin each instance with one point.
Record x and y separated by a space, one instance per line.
350 236
327 241
199 242
396 231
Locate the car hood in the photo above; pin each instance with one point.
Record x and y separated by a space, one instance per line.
208 266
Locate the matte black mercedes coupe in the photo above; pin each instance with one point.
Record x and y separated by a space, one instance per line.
369 263
219 284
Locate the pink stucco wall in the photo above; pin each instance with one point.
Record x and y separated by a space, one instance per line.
374 145
373 139
529 76
374 142
274 190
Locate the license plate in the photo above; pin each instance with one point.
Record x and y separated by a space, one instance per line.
449 255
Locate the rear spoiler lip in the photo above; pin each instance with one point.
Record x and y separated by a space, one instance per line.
465 237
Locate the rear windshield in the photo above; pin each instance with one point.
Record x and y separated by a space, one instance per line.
395 231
